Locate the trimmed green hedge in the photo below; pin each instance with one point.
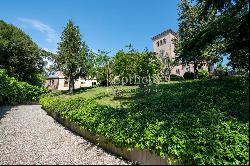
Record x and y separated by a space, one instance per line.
188 75
13 91
174 77
196 122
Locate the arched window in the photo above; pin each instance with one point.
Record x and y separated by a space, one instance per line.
160 42
164 41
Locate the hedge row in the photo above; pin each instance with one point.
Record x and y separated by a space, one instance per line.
13 91
198 122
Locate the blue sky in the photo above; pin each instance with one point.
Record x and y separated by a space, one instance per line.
104 24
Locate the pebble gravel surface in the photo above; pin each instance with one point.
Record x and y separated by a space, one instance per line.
29 136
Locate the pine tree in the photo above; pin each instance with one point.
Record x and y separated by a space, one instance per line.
71 58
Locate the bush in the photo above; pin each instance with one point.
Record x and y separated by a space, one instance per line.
13 91
188 75
203 74
194 124
174 77
221 71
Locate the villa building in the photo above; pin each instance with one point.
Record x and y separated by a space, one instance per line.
163 46
58 81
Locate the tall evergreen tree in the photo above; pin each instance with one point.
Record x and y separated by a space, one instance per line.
71 58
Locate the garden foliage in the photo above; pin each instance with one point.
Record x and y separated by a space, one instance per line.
174 77
13 91
188 75
196 122
203 74
20 56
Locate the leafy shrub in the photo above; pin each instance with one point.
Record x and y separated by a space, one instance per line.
198 122
241 72
221 71
174 77
188 75
203 74
13 91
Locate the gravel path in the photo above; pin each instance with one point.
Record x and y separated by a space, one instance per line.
29 136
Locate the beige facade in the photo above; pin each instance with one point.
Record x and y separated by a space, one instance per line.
58 81
163 45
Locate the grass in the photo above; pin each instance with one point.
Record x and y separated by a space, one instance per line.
106 95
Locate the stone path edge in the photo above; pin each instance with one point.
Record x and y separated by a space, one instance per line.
142 157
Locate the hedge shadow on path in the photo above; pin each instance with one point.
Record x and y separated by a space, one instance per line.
4 110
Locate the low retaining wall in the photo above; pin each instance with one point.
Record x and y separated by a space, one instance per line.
144 157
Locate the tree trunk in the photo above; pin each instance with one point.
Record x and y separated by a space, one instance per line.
168 73
71 85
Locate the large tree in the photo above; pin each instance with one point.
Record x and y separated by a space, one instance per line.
168 64
135 67
210 29
147 67
236 36
99 65
190 25
72 53
19 55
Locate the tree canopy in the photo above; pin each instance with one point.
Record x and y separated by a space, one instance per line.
19 55
210 29
72 53
134 66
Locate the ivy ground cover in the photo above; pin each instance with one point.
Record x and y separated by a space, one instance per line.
196 122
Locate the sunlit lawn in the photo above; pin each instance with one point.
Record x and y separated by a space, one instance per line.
107 96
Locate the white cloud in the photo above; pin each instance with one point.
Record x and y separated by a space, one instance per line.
51 35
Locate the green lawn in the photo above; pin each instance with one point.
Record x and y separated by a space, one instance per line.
196 122
106 95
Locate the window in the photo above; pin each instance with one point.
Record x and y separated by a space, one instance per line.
51 82
161 42
82 84
161 53
164 41
158 44
177 71
93 83
66 84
